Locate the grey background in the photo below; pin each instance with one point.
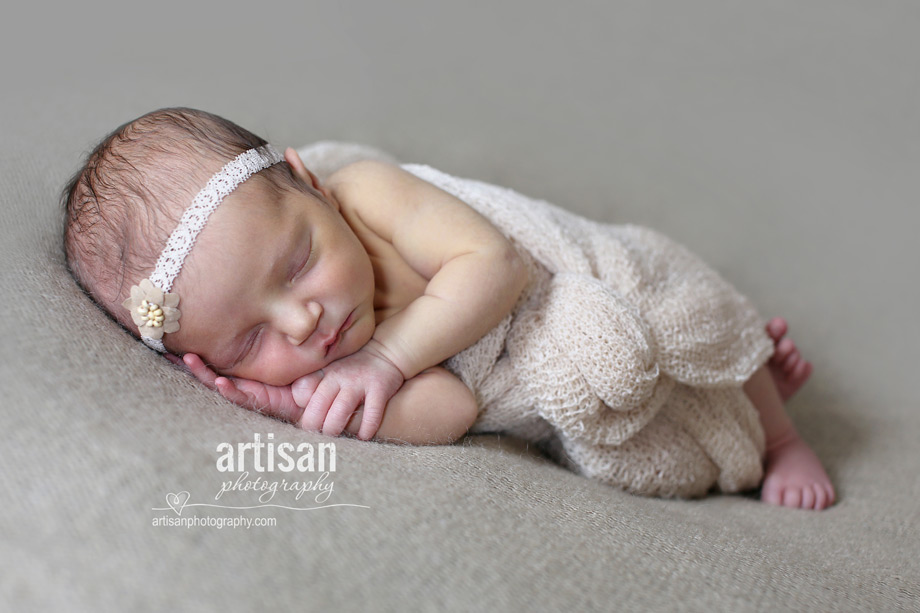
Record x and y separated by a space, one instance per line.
780 141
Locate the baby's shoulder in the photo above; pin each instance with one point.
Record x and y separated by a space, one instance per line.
375 189
365 176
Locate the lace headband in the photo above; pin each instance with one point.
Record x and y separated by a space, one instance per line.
152 307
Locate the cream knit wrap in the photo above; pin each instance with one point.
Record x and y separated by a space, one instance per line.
624 357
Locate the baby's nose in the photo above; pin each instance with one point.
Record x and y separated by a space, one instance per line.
297 321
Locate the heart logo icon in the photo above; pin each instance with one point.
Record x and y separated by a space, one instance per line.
177 501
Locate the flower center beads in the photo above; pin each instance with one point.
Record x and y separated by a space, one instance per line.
152 313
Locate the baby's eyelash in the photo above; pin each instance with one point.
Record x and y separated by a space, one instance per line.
251 344
305 264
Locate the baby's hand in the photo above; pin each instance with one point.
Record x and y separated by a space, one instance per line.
364 376
270 400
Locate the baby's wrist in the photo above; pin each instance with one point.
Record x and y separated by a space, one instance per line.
386 353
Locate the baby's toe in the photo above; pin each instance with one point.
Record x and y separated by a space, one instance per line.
776 328
800 371
772 494
791 362
821 501
831 494
792 497
808 497
797 376
783 350
807 370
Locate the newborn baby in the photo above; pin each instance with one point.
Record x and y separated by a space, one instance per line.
336 306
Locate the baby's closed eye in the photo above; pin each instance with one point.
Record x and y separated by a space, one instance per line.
251 345
302 263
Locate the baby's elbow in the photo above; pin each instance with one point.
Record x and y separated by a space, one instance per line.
462 414
456 411
432 408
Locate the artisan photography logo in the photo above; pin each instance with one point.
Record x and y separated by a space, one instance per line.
260 475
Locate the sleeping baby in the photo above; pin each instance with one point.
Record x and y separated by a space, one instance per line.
402 304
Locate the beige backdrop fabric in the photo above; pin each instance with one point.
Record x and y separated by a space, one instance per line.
777 140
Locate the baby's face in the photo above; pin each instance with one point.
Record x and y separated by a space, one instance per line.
275 292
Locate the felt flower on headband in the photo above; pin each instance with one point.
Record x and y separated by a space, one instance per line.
153 311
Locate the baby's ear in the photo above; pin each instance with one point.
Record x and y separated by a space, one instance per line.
300 170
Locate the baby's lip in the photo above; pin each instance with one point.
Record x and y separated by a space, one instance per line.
330 340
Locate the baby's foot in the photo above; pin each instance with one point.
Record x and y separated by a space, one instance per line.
795 476
788 368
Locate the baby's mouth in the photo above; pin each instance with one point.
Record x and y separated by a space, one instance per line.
332 342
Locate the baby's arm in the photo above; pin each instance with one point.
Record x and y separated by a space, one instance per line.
432 408
474 275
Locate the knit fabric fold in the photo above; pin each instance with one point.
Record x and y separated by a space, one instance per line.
624 357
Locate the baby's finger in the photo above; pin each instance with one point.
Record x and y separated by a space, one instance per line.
229 391
315 413
302 389
201 372
374 406
177 361
340 412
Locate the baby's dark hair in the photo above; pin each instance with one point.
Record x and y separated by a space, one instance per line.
122 205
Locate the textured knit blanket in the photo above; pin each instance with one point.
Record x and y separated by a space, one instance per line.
624 357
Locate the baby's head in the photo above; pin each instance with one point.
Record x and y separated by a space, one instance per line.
257 301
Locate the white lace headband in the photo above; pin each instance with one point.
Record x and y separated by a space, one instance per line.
152 307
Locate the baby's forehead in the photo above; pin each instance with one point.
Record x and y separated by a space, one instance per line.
249 225
242 251
255 194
